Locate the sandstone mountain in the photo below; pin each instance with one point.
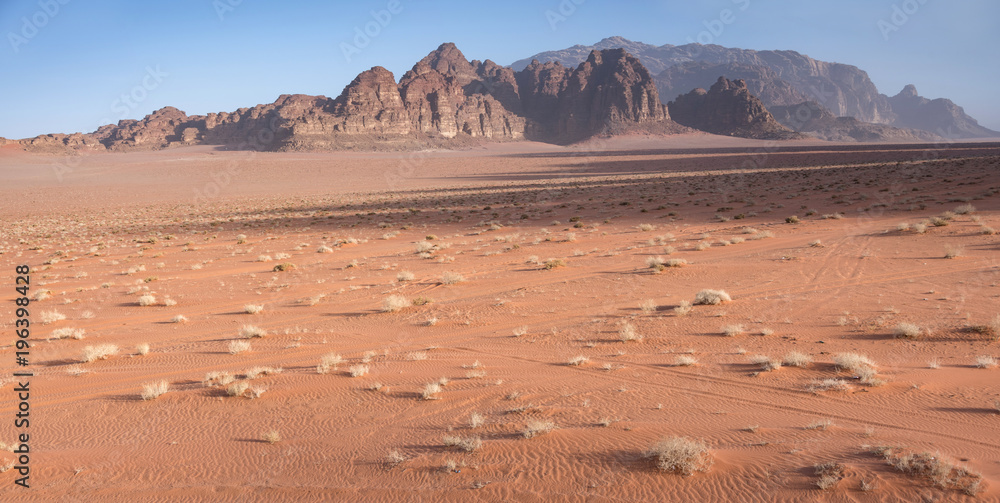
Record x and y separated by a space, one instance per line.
784 78
941 116
728 108
443 100
811 118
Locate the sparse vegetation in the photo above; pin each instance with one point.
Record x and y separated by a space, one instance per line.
253 308
628 333
829 475
328 362
99 352
467 444
986 362
451 278
252 332
712 297
357 370
536 427
553 263
907 330
683 308
152 391
395 303
796 359
147 300
685 361
577 361
937 469
237 347
681 455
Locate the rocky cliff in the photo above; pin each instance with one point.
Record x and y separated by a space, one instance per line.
727 108
783 78
811 118
940 116
444 99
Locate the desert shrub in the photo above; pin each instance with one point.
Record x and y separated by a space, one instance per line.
683 308
553 263
431 390
675 262
424 246
476 420
284 266
405 276
536 427
685 361
180 318
820 424
467 444
253 308
147 300
252 332
964 209
394 303
907 330
142 349
852 361
646 227
766 363
271 437
829 385
681 455
941 471
152 391
394 458
324 249
628 333
99 352
648 306
577 361
236 347
796 359
829 475
329 361
986 362
712 297
68 333
357 370
450 278
732 330
953 251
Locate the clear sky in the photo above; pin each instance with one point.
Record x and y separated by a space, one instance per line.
66 64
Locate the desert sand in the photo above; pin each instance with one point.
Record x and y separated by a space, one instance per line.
486 293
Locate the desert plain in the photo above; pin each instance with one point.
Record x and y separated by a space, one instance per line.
517 322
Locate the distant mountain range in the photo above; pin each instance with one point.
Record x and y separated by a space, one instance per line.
784 78
558 97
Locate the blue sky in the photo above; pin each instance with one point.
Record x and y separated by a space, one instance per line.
65 64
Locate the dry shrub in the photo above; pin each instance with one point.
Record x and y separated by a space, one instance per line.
712 297
252 332
357 370
907 330
536 427
941 471
681 455
99 352
431 390
628 333
467 444
236 347
796 359
685 361
553 263
394 303
829 475
683 308
451 278
154 390
328 362
577 361
732 330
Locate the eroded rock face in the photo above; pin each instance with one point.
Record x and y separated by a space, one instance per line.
811 118
444 99
727 108
941 116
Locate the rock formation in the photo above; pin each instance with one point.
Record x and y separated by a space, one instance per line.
811 118
443 100
727 108
941 116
